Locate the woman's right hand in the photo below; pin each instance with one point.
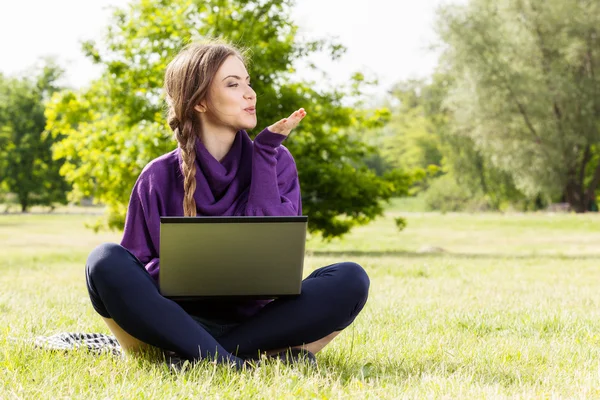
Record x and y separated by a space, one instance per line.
285 126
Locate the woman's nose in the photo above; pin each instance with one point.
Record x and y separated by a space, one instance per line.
250 93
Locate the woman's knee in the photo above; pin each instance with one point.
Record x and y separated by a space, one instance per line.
104 259
356 280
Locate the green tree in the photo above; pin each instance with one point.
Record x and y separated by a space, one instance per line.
111 130
526 90
477 175
421 137
26 164
412 140
406 142
471 168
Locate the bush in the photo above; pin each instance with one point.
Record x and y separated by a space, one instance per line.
400 223
444 194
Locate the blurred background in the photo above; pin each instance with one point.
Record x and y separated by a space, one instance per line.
471 105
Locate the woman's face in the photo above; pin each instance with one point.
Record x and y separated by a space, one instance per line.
231 102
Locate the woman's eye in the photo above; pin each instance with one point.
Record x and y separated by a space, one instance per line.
234 85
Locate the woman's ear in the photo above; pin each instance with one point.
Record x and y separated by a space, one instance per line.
200 108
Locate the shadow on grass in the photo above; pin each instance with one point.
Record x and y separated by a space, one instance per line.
10 223
413 254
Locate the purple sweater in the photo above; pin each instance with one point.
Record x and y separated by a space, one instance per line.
254 178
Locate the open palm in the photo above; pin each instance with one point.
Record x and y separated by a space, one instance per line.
285 126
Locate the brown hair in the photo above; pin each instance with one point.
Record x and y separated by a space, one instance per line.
187 80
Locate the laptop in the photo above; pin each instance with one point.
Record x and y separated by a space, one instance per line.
249 257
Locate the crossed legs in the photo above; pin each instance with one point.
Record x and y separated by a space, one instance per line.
127 297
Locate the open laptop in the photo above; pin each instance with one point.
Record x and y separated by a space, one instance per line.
254 257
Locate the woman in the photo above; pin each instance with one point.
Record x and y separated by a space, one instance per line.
216 170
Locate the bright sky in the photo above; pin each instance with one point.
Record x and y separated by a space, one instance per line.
387 39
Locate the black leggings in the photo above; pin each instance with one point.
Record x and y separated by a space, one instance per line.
120 288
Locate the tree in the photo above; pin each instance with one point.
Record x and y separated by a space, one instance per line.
412 139
526 90
405 141
421 137
112 129
472 169
26 165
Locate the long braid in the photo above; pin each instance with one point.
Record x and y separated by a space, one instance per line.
186 140
187 81
188 156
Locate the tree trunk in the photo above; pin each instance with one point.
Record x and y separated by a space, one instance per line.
574 197
577 195
24 201
590 193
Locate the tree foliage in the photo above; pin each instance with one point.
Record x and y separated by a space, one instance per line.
526 90
109 131
412 138
26 165
451 172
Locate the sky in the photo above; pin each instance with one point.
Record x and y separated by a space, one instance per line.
388 40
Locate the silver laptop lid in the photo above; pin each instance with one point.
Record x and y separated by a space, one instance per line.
231 256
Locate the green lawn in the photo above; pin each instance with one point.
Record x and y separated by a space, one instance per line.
509 308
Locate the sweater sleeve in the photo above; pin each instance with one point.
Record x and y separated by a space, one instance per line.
274 186
142 225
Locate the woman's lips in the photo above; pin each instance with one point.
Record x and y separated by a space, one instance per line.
250 110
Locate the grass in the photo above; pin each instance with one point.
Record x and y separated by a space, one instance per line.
507 307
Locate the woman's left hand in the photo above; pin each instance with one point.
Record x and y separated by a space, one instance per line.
285 126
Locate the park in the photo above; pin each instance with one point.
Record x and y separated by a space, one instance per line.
469 197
